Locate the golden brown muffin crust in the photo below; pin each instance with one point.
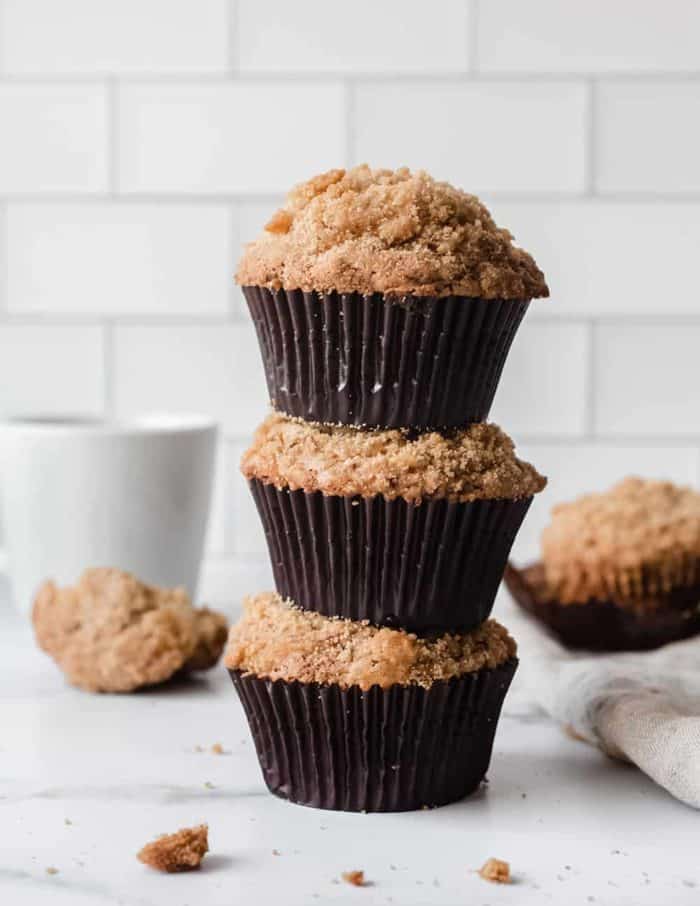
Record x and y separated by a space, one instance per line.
639 539
388 231
112 633
276 640
181 851
478 462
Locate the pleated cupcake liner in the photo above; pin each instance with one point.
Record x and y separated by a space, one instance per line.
344 358
606 625
429 569
381 750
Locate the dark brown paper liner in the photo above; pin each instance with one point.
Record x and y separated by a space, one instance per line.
388 750
420 362
606 625
430 569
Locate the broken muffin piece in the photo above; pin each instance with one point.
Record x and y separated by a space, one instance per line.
112 633
181 851
495 870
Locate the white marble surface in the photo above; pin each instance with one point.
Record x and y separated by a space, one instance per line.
86 780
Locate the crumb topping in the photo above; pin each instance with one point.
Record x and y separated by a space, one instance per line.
276 640
638 539
181 851
112 633
475 463
495 870
395 232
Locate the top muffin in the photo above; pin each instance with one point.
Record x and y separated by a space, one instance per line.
639 538
388 231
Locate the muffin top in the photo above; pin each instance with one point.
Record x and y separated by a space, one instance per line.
388 231
475 463
276 640
639 538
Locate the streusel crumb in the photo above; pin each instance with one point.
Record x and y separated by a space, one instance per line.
356 878
495 870
276 640
641 538
478 462
181 851
112 633
388 231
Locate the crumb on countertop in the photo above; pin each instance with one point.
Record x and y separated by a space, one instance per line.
181 851
50 870
356 878
495 870
218 749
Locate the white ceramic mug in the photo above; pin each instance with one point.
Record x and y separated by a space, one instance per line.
79 493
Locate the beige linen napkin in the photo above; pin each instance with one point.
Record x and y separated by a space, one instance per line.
640 707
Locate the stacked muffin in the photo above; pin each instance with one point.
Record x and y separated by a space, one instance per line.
620 570
385 304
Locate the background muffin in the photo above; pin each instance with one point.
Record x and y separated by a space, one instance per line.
366 704
385 298
619 569
386 526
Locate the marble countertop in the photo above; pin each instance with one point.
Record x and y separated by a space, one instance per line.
85 780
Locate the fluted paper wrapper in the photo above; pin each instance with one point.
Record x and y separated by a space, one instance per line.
605 625
430 569
390 750
344 358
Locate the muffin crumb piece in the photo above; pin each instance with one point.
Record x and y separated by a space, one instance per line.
356 878
276 640
395 232
217 749
181 851
495 870
51 870
112 633
475 463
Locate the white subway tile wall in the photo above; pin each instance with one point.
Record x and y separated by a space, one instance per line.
143 142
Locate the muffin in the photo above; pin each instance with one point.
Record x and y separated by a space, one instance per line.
385 299
386 526
620 570
348 716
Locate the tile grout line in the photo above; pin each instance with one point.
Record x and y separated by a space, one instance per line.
455 76
232 43
108 398
473 13
233 243
4 261
591 140
112 136
273 196
591 381
350 100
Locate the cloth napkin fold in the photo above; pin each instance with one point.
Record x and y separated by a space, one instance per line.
640 707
